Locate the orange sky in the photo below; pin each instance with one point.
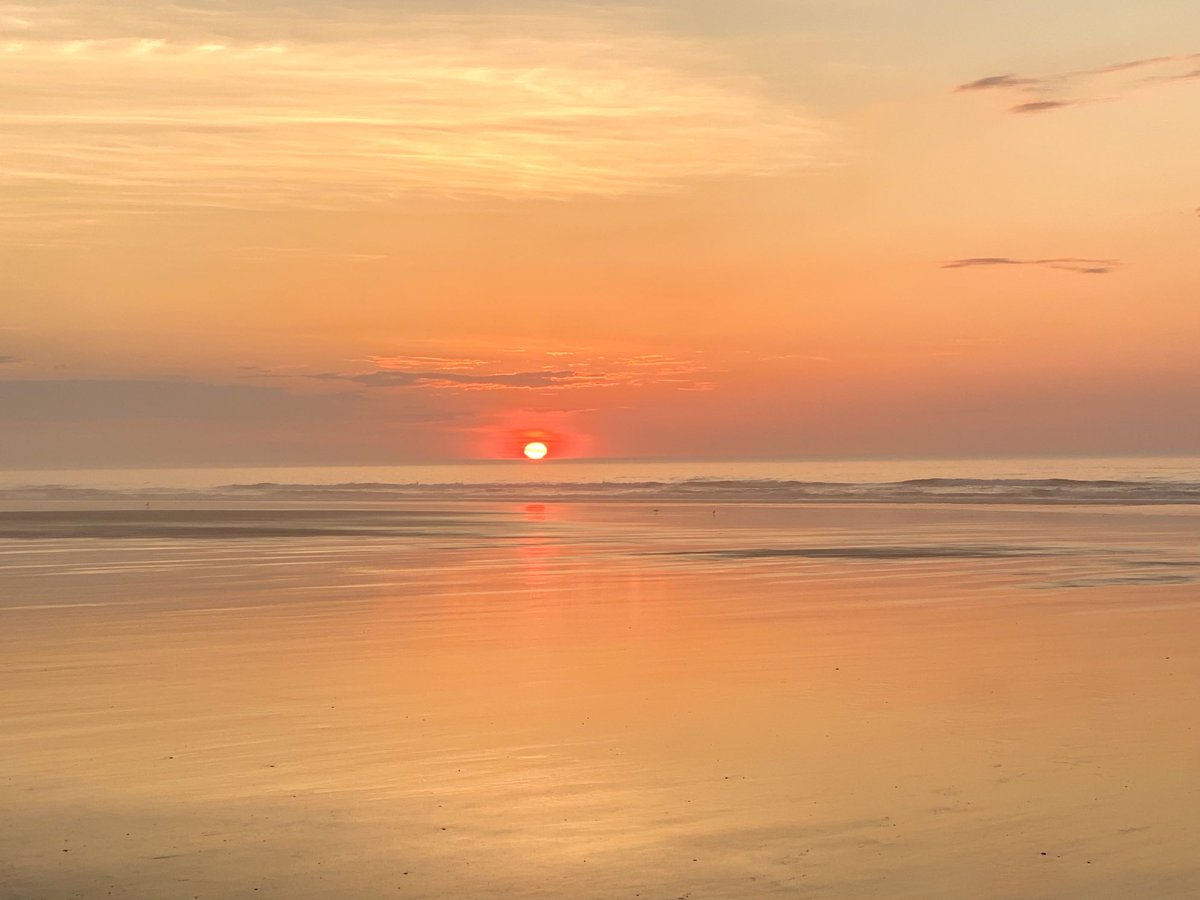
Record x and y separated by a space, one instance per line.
256 233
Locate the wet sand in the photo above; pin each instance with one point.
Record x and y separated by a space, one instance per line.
601 701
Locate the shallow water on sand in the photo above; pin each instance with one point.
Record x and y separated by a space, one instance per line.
600 701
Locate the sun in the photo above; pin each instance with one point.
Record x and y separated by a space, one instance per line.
536 450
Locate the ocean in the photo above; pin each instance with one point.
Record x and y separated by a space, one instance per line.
1117 479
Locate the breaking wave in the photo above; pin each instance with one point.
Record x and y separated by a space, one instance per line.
921 490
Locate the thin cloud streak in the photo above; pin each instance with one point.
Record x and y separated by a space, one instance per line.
218 113
473 373
1053 92
1036 106
992 82
453 379
1067 264
441 363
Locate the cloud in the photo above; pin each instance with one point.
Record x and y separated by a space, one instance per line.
662 369
118 422
85 400
999 81
1052 92
272 253
590 368
1035 106
8 360
1183 76
1068 264
391 378
168 106
440 363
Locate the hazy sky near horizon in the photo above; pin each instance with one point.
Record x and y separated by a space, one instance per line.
368 232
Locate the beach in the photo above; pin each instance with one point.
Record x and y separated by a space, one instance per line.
599 450
496 699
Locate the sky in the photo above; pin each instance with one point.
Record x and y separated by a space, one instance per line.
351 233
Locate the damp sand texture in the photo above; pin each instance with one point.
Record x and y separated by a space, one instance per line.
601 701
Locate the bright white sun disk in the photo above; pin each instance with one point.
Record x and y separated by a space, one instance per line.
535 450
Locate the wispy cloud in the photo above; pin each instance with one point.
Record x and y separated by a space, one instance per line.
1066 263
588 369
1036 106
156 106
666 370
392 378
441 363
992 82
1193 75
1051 92
275 253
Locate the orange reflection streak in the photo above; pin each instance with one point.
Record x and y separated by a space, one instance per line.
534 512
538 549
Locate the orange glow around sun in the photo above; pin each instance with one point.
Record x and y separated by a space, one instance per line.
536 450
509 441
